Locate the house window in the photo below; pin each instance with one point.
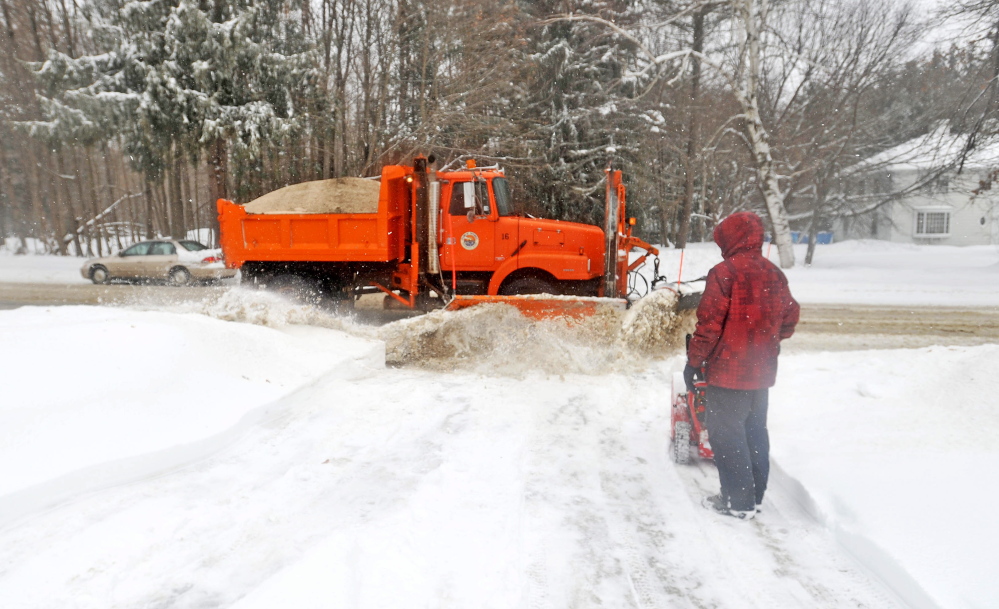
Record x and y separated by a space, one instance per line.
932 223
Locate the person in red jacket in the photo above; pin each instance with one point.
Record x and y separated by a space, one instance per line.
745 311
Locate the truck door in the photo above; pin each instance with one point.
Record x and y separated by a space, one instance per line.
468 227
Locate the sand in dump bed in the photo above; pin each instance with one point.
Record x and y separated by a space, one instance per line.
337 196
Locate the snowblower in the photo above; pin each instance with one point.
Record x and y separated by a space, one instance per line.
687 419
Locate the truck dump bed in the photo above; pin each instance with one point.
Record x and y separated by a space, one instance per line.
297 236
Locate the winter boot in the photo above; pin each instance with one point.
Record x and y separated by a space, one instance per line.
719 505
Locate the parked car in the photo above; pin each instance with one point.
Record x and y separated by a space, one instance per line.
176 261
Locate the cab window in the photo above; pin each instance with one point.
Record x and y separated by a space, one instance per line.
501 194
480 192
139 249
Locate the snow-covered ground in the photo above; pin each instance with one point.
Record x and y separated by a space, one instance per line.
40 269
896 451
169 458
870 272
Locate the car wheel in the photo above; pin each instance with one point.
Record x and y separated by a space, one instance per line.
295 288
528 285
99 274
180 276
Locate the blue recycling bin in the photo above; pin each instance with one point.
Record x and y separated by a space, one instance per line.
822 238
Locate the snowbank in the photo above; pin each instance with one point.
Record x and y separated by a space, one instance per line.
897 452
89 389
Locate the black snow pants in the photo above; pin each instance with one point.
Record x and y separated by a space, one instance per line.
737 430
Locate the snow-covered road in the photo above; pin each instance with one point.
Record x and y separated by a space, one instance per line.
402 488
164 456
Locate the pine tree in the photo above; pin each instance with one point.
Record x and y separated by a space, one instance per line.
181 79
580 104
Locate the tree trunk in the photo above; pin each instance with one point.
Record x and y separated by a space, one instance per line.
6 194
813 226
71 219
693 143
147 194
218 170
753 16
178 225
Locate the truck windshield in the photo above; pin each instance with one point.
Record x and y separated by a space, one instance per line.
501 192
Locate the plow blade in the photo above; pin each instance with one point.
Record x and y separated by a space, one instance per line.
544 306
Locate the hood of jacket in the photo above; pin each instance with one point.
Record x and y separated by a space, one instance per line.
740 232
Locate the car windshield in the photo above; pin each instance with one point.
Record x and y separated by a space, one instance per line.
193 246
501 192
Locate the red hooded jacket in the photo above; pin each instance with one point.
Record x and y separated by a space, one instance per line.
745 311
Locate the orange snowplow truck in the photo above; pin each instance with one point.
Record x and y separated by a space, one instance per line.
448 238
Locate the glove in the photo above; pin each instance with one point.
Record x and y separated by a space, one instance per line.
691 374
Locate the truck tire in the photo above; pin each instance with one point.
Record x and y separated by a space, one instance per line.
680 449
340 301
295 288
528 285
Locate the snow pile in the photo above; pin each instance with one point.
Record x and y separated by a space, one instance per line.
496 339
492 339
264 308
896 451
654 326
336 196
86 387
186 255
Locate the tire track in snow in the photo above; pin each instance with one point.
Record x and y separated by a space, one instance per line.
605 507
783 557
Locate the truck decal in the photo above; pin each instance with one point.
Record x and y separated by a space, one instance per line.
469 241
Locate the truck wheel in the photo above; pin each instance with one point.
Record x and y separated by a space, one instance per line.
295 288
99 274
180 276
680 450
341 302
528 285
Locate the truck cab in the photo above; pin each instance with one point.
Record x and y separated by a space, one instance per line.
488 248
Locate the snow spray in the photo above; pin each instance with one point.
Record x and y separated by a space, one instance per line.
491 339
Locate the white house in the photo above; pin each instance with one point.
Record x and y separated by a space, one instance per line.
942 210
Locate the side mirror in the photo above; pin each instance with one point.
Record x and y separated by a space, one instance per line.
471 216
468 192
